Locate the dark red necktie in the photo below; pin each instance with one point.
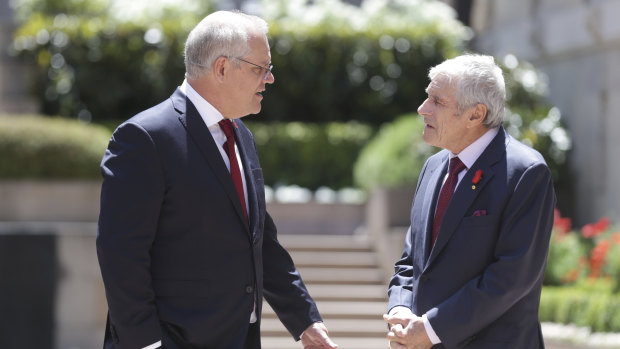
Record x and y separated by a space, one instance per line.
229 147
445 195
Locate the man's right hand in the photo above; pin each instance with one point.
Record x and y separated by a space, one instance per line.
406 331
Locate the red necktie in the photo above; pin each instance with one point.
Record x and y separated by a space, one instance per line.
229 147
445 195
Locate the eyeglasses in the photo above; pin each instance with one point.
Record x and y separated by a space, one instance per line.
267 70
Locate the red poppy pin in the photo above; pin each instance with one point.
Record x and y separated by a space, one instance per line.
476 179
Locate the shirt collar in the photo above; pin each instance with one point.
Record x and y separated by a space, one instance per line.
209 114
473 151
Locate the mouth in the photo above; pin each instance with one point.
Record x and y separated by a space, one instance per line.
260 93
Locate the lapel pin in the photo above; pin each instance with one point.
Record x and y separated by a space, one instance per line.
476 179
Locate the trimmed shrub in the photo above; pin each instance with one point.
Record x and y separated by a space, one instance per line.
589 306
394 157
51 148
333 61
308 154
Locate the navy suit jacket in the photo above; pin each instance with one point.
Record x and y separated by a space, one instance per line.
179 261
480 284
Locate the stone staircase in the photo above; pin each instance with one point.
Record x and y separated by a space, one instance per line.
343 276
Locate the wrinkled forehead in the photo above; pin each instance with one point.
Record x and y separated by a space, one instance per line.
442 85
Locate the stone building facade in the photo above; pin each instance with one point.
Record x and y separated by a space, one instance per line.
577 44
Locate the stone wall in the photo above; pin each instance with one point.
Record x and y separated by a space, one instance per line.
577 44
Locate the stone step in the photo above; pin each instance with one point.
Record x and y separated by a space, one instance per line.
329 259
334 292
368 328
341 310
325 243
313 275
353 342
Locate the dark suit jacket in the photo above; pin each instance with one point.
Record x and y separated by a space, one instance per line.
480 284
179 261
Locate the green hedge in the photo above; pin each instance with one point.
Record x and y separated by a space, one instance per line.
588 307
333 61
51 148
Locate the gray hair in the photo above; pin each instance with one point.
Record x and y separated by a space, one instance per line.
222 33
477 79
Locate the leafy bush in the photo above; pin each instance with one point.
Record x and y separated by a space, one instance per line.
588 306
394 156
92 63
43 147
307 154
333 61
338 62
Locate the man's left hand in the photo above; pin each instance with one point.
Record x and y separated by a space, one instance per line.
315 337
407 332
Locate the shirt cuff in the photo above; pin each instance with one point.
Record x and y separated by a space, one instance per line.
429 330
153 346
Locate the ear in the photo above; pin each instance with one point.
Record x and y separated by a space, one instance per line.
220 68
478 114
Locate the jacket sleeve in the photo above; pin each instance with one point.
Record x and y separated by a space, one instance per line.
283 287
400 289
131 196
518 264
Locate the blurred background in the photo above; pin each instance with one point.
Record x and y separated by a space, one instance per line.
338 137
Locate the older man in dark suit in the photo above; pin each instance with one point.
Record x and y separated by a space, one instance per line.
186 248
472 268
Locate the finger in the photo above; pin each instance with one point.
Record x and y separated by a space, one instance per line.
396 345
397 329
392 320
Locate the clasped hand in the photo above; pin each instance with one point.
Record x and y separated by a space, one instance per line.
407 331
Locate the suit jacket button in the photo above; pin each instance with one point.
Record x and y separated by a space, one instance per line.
249 289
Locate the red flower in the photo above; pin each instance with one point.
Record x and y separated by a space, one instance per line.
477 177
235 123
595 229
598 255
561 224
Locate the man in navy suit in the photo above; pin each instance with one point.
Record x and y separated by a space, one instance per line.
474 258
186 249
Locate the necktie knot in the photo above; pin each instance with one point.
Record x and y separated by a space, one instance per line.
456 166
227 127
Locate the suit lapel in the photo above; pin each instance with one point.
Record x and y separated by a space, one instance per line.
243 146
199 132
465 195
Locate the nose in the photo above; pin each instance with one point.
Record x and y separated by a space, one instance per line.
424 108
270 78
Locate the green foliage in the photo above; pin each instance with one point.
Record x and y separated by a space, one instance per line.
50 148
333 61
394 156
567 259
308 154
587 305
94 65
336 62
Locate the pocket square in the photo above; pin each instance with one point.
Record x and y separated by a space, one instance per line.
479 213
